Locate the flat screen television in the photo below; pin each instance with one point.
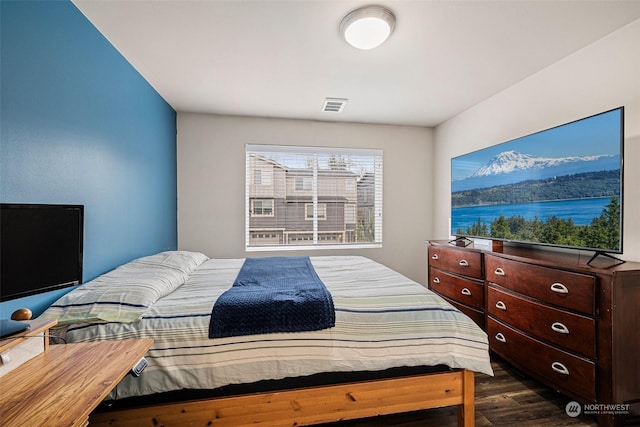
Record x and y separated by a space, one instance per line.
40 248
558 187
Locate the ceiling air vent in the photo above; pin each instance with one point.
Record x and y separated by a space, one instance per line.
334 105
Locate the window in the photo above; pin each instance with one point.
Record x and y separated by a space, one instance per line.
326 197
262 208
304 184
308 211
349 214
262 177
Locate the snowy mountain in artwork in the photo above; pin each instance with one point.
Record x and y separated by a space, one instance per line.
510 167
510 161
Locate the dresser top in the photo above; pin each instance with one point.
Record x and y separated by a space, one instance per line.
553 257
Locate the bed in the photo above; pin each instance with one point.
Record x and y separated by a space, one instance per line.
383 321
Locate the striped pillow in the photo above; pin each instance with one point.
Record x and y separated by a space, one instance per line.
124 294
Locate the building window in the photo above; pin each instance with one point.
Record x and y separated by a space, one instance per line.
350 214
308 211
262 177
262 208
326 197
304 184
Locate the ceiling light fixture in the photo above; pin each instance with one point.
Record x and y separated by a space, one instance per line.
368 27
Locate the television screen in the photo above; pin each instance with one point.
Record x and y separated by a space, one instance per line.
558 187
40 248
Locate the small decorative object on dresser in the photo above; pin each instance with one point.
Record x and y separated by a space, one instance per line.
573 326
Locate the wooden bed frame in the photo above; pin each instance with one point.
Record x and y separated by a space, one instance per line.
314 405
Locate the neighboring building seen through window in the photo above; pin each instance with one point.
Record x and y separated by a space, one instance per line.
313 197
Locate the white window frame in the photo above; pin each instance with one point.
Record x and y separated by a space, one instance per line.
252 208
350 214
314 153
309 214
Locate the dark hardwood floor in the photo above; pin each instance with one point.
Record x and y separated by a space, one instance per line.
509 398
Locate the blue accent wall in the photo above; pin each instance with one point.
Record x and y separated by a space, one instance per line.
80 125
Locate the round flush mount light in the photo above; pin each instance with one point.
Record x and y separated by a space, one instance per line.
368 27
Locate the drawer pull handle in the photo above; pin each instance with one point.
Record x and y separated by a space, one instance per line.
499 272
435 257
436 280
464 263
501 305
560 368
559 288
500 337
560 328
465 291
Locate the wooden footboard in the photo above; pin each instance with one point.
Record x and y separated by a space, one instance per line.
309 406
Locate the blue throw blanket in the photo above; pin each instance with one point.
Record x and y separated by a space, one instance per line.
275 294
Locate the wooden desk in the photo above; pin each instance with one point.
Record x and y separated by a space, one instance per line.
64 384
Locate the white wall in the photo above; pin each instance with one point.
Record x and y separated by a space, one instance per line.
600 77
211 179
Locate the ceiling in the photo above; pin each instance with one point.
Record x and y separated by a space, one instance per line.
270 58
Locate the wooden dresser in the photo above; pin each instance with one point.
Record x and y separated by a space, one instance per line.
572 326
458 276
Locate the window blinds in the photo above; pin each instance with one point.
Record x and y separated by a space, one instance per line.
312 197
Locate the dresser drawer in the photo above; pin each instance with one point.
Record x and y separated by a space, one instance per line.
574 291
464 290
572 331
555 366
475 315
465 262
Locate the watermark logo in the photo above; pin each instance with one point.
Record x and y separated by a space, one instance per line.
606 409
573 409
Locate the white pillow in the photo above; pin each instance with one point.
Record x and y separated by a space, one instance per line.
124 294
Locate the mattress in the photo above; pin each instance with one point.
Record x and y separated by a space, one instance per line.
383 320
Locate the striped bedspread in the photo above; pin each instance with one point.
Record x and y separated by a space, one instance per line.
383 320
